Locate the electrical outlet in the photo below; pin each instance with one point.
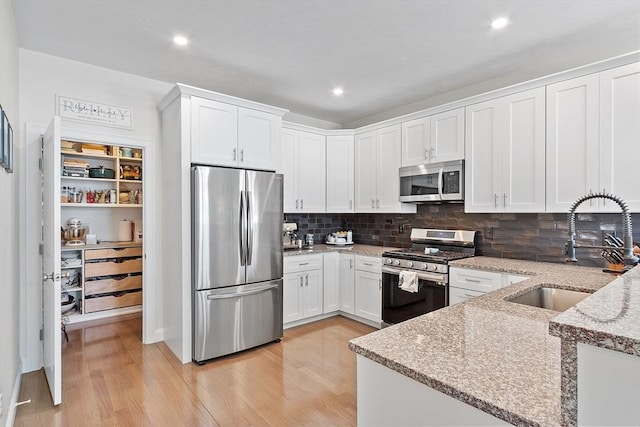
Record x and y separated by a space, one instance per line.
401 229
488 232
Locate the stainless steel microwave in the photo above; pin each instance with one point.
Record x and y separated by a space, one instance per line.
435 182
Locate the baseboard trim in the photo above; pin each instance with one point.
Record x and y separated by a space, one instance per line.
11 414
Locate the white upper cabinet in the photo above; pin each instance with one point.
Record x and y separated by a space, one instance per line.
620 135
437 138
377 160
505 154
303 165
340 174
228 135
593 128
572 143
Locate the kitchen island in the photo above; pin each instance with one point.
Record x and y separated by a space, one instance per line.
485 361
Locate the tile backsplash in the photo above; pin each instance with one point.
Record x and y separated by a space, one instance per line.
535 237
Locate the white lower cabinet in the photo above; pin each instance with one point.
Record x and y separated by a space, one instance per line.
303 287
368 288
466 284
347 283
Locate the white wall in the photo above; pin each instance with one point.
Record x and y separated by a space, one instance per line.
42 77
9 220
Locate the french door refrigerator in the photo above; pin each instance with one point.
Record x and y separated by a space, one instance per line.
236 229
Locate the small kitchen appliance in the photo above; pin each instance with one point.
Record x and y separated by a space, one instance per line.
289 236
74 233
428 259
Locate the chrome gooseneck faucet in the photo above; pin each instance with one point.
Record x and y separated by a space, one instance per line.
570 248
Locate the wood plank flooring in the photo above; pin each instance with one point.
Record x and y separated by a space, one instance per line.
111 379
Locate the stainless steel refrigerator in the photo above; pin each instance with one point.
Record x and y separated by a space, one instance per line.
236 259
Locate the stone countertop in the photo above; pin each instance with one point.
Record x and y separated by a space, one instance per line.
490 353
356 249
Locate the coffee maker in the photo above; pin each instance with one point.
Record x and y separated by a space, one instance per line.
289 236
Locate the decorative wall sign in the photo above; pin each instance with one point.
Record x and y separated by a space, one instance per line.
93 112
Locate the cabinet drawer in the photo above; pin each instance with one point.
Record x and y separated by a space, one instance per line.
123 283
457 295
299 263
109 268
112 253
108 302
370 264
475 280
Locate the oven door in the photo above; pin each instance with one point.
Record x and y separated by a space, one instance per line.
399 305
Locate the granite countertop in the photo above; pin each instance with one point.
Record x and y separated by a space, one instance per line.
490 353
356 249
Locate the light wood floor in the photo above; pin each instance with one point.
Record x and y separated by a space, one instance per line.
111 379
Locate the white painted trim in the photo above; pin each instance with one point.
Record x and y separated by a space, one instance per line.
182 89
311 129
11 414
105 314
519 87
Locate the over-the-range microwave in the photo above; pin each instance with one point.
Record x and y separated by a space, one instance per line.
434 182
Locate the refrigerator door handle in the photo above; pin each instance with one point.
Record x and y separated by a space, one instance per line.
241 294
242 228
249 249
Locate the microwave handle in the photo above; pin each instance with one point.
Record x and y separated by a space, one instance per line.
440 182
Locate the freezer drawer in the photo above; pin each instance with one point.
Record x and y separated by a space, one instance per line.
228 320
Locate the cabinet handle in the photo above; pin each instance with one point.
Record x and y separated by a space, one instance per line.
350 204
472 280
469 296
306 279
296 203
426 153
301 281
380 284
377 203
431 155
242 155
301 203
303 263
373 204
234 154
504 199
495 199
368 264
350 264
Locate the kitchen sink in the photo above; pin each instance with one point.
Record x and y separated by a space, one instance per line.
550 298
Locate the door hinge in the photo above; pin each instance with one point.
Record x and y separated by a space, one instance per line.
41 335
41 249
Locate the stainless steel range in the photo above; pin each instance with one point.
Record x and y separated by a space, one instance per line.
416 281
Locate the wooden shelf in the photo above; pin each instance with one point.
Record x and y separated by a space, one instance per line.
100 205
87 155
79 178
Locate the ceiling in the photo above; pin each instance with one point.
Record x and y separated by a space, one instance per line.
390 56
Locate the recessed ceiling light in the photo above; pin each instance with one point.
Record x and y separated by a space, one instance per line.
181 40
338 91
499 23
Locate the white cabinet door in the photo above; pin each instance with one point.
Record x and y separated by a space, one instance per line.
292 294
311 172
447 136
572 143
214 132
416 136
523 152
366 169
368 301
620 135
483 159
289 168
258 139
313 285
505 154
340 174
331 281
387 176
347 283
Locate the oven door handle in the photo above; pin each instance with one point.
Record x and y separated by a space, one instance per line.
439 279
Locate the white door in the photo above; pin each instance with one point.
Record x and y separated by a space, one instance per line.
51 260
311 172
292 291
387 178
214 132
447 136
368 292
347 286
339 174
572 142
620 136
312 294
415 141
258 139
289 168
523 152
365 171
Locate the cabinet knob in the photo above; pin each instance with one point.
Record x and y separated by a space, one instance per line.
54 276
